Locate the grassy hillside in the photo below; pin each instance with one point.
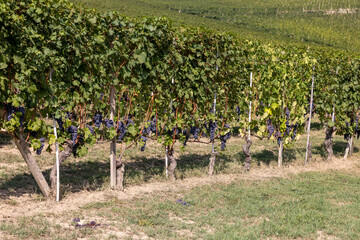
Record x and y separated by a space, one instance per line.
333 24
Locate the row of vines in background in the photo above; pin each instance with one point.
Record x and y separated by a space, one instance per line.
105 77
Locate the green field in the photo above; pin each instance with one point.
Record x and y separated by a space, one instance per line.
334 24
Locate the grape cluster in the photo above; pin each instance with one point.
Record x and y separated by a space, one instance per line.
357 129
347 135
39 150
212 128
60 122
294 131
186 133
195 131
153 125
74 136
97 120
121 131
109 123
224 138
73 131
143 139
91 129
10 110
270 128
122 128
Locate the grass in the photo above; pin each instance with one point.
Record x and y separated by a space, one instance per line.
302 207
327 24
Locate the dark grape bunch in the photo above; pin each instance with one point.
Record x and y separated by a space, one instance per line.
146 131
143 140
224 138
10 110
212 128
195 131
74 136
60 122
91 129
97 120
294 126
122 128
270 128
39 150
121 131
357 129
109 123
186 133
153 123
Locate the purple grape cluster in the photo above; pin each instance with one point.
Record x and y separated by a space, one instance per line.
60 122
270 128
294 131
109 123
97 120
195 131
212 128
143 140
10 110
91 129
153 124
224 138
74 136
121 131
122 128
357 129
186 133
39 150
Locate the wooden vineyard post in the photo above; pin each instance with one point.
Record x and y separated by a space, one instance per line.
57 164
247 145
308 145
56 154
213 151
113 142
251 77
167 148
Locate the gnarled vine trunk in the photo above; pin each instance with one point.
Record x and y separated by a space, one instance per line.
246 151
349 147
281 152
62 157
328 143
31 162
212 162
120 174
172 166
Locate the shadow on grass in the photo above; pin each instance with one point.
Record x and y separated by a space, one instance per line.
4 139
316 126
74 177
338 148
266 156
94 175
